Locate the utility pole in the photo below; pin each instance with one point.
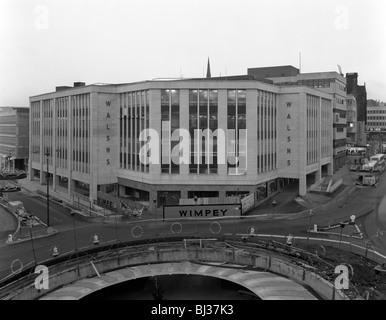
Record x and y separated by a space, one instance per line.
195 209
47 154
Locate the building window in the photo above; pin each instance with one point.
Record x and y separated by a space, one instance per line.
236 114
203 194
134 119
266 131
203 117
170 121
168 198
261 191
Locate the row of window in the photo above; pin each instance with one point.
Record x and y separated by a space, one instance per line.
325 127
340 143
340 101
80 127
62 131
8 130
263 191
47 127
376 118
376 123
203 114
134 117
376 111
266 131
236 116
170 121
351 102
8 119
316 83
312 129
35 130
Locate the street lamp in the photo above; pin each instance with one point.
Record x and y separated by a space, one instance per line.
238 208
47 154
309 226
73 224
274 204
32 242
342 225
155 211
195 207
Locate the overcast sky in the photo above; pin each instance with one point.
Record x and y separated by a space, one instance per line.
44 44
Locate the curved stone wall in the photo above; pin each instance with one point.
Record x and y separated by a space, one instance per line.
259 260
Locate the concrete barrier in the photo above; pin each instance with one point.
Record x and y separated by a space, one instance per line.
258 259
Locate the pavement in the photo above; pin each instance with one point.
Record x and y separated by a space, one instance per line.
8 223
288 199
36 188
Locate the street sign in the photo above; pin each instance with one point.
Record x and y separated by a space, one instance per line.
201 211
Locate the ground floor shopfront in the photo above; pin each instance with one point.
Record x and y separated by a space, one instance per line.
159 195
138 194
339 161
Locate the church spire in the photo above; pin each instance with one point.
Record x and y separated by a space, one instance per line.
208 70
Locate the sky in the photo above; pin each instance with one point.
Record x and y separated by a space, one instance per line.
49 43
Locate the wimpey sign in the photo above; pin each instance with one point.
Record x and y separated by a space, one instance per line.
202 211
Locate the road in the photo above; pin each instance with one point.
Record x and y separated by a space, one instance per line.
296 224
8 224
37 205
375 223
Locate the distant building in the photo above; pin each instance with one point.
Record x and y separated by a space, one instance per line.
329 82
376 125
14 132
360 95
92 132
351 119
376 116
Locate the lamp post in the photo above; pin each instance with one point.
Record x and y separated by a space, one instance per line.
32 242
309 226
47 154
73 224
238 208
274 204
195 207
342 225
116 227
155 211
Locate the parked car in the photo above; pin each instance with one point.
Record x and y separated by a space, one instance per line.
367 180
